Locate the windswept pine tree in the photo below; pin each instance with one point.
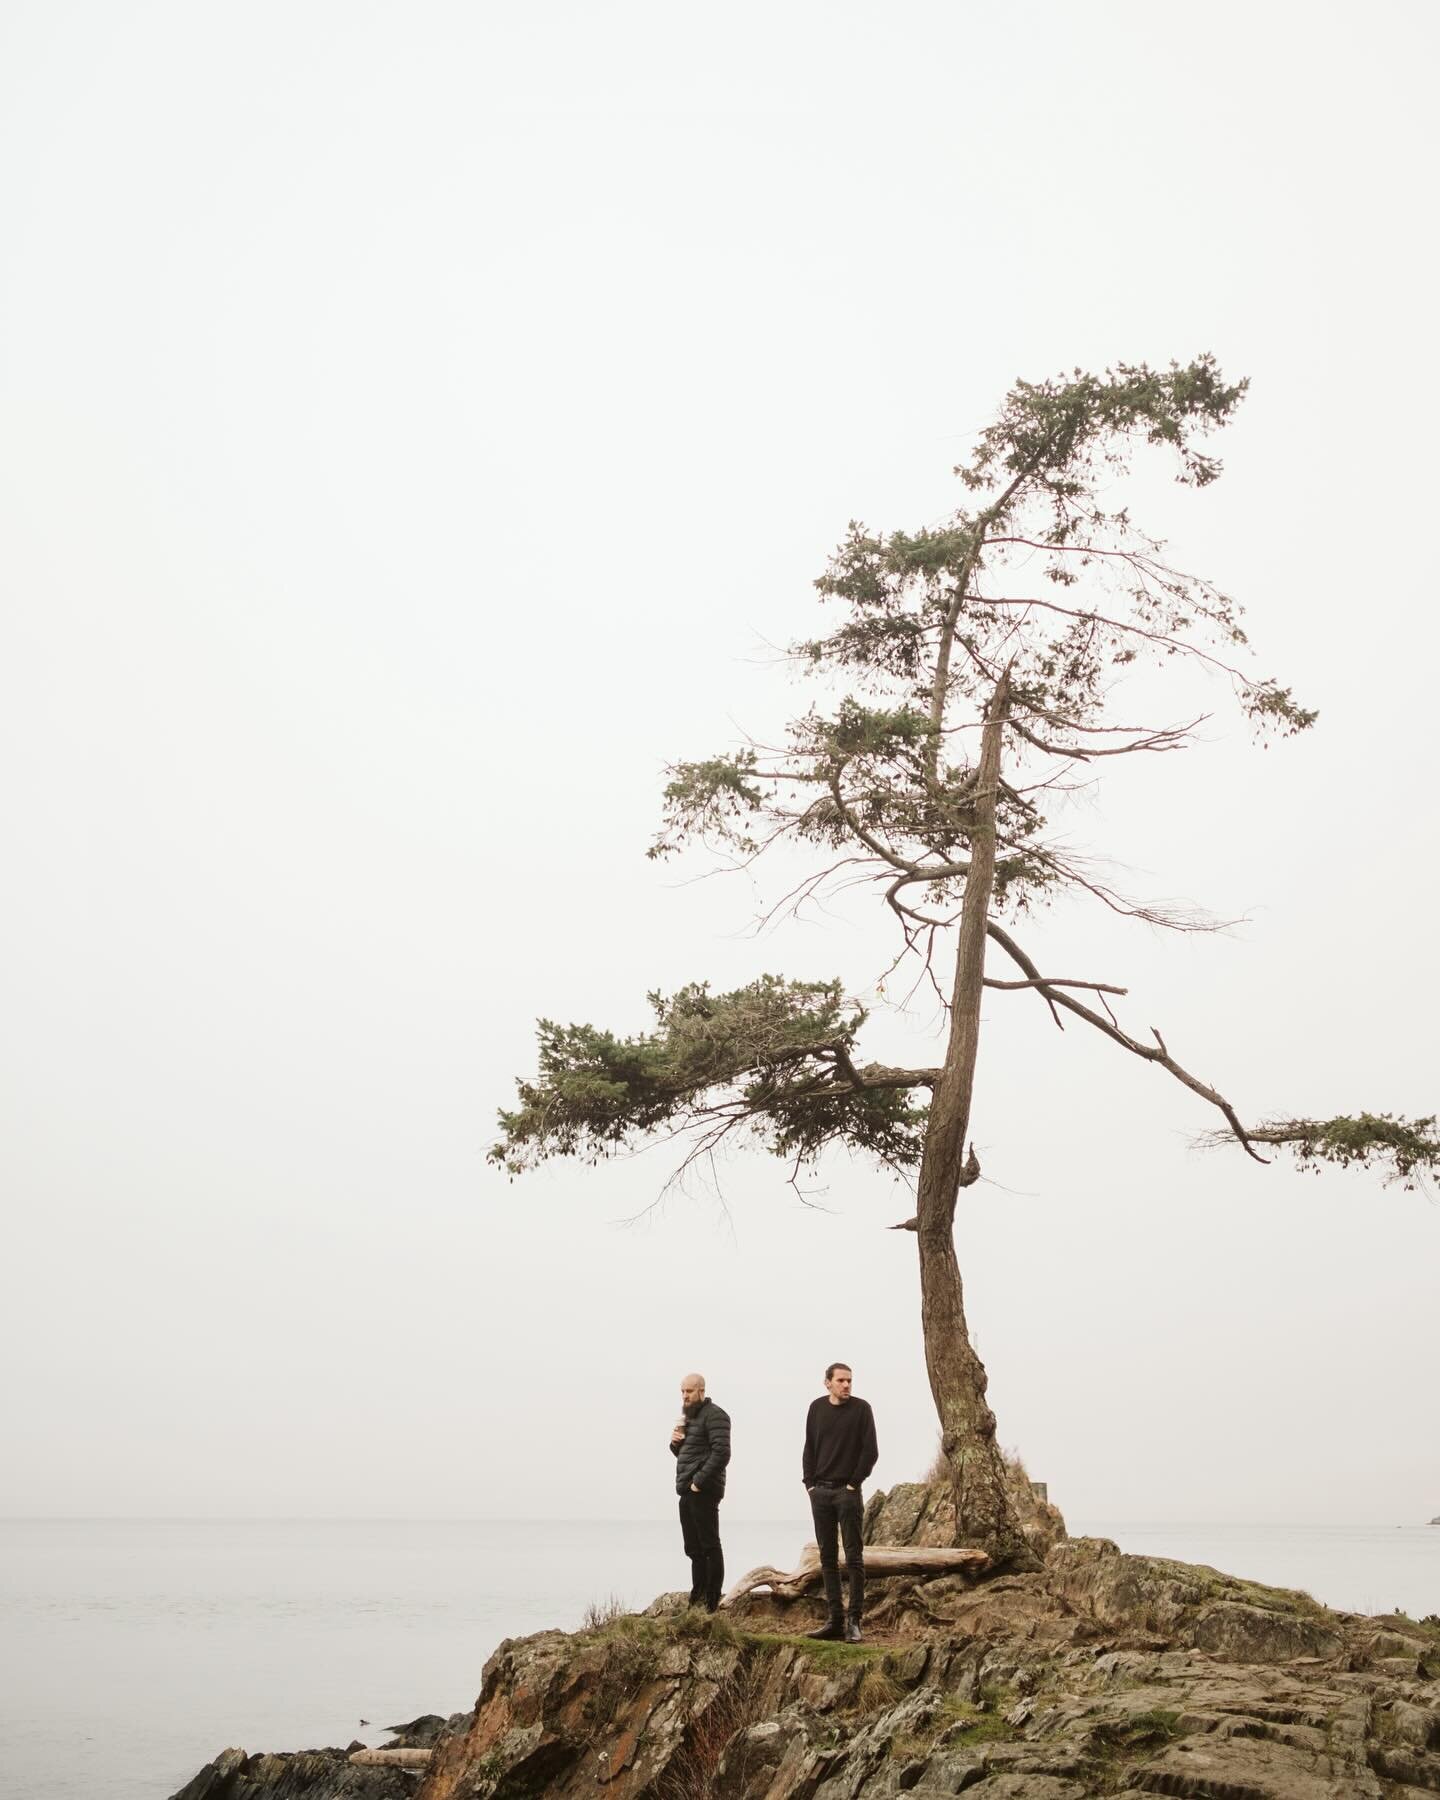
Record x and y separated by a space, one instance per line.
976 664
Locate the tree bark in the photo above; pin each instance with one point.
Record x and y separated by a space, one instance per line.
984 1514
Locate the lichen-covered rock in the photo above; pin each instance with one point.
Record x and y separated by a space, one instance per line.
1099 1674
617 1707
1188 1603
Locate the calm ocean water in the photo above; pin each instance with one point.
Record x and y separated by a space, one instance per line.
131 1651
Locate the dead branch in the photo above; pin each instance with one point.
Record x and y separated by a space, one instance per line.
1179 645
858 830
1157 1054
1099 987
1067 723
1157 741
880 1559
931 872
1172 918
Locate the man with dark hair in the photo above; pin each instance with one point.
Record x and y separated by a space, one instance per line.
700 1444
840 1451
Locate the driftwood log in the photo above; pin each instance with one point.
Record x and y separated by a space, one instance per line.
391 1759
880 1559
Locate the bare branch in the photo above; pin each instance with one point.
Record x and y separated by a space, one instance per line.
1157 741
806 889
1158 1054
1172 918
1069 724
871 843
876 1075
1049 981
1179 645
873 1075
931 872
927 925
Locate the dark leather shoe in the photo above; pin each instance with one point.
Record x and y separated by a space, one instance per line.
852 1632
832 1631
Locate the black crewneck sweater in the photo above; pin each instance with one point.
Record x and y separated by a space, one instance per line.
840 1445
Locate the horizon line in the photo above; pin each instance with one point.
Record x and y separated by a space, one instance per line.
629 1519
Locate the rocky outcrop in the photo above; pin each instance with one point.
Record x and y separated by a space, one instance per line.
1097 1674
320 1774
1102 1673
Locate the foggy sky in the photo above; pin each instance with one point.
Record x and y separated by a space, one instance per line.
418 423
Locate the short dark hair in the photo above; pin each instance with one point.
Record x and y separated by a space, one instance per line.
830 1372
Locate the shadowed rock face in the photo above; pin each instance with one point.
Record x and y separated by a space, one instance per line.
1101 1674
301 1775
317 1774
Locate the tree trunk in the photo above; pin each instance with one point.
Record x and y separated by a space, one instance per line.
984 1515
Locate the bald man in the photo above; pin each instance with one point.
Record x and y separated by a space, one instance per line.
700 1444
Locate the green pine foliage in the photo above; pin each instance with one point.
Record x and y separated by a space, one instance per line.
1041 587
1403 1150
768 1057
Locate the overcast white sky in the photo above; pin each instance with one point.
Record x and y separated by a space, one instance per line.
415 420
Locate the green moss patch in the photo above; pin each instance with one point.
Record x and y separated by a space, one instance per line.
1145 1731
821 1653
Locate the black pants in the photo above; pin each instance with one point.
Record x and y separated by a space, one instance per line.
836 1512
700 1527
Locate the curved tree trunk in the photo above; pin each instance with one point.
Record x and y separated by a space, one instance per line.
984 1515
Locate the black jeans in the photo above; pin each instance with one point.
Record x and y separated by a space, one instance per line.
837 1511
700 1528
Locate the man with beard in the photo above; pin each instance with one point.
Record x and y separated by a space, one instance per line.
700 1444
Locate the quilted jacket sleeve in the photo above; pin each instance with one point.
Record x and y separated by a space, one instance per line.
717 1432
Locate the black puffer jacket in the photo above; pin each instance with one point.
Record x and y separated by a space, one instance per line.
702 1456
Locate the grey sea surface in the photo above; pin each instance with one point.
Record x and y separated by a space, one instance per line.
132 1650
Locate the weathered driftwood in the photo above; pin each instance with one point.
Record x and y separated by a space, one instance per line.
880 1559
391 1759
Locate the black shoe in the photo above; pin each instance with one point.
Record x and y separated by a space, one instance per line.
832 1631
852 1632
